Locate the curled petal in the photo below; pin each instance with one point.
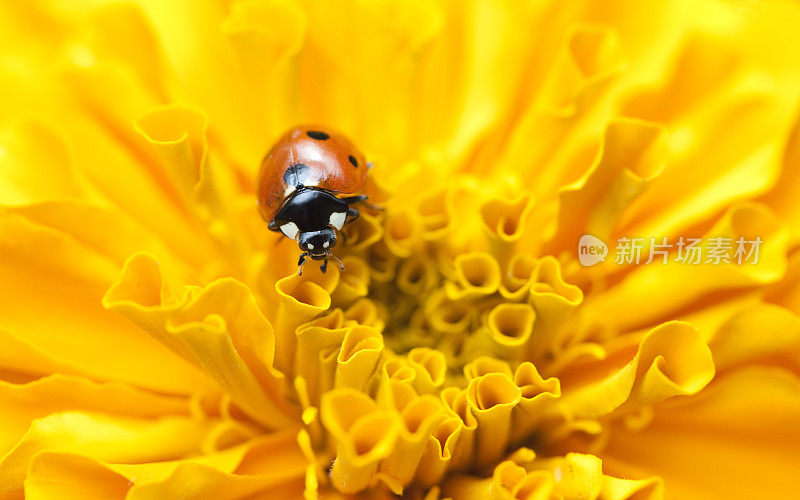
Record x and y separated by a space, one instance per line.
519 276
365 312
315 361
633 154
486 364
417 275
430 367
402 232
554 301
361 349
439 451
418 419
456 400
536 396
218 328
671 360
477 275
353 284
510 327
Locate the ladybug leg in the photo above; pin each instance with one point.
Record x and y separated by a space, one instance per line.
324 266
272 226
303 257
352 200
352 214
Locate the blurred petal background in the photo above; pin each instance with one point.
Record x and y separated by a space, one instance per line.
156 341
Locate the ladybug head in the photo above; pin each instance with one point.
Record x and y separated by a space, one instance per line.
318 244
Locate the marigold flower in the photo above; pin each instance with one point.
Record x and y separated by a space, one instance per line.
156 340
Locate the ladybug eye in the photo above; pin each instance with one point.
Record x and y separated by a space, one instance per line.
337 219
290 230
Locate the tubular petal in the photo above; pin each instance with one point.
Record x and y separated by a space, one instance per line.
300 301
361 350
492 397
477 274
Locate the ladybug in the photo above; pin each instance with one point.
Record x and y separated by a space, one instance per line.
307 185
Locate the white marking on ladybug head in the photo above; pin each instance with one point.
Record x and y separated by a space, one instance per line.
310 246
326 244
337 219
290 230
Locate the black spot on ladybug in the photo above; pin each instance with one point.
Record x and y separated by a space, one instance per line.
316 134
295 174
353 160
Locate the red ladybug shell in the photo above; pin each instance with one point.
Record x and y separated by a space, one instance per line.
333 163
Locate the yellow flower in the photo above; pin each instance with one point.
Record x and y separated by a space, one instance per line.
156 341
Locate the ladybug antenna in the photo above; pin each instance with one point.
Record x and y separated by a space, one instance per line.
341 266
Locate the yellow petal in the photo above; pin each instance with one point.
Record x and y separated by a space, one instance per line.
615 488
633 154
34 166
418 418
676 285
364 435
24 403
536 395
354 284
755 334
72 477
66 278
301 299
671 360
554 300
115 439
477 274
358 358
780 198
316 355
264 33
430 368
492 397
736 439
218 328
438 452
740 163
230 470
